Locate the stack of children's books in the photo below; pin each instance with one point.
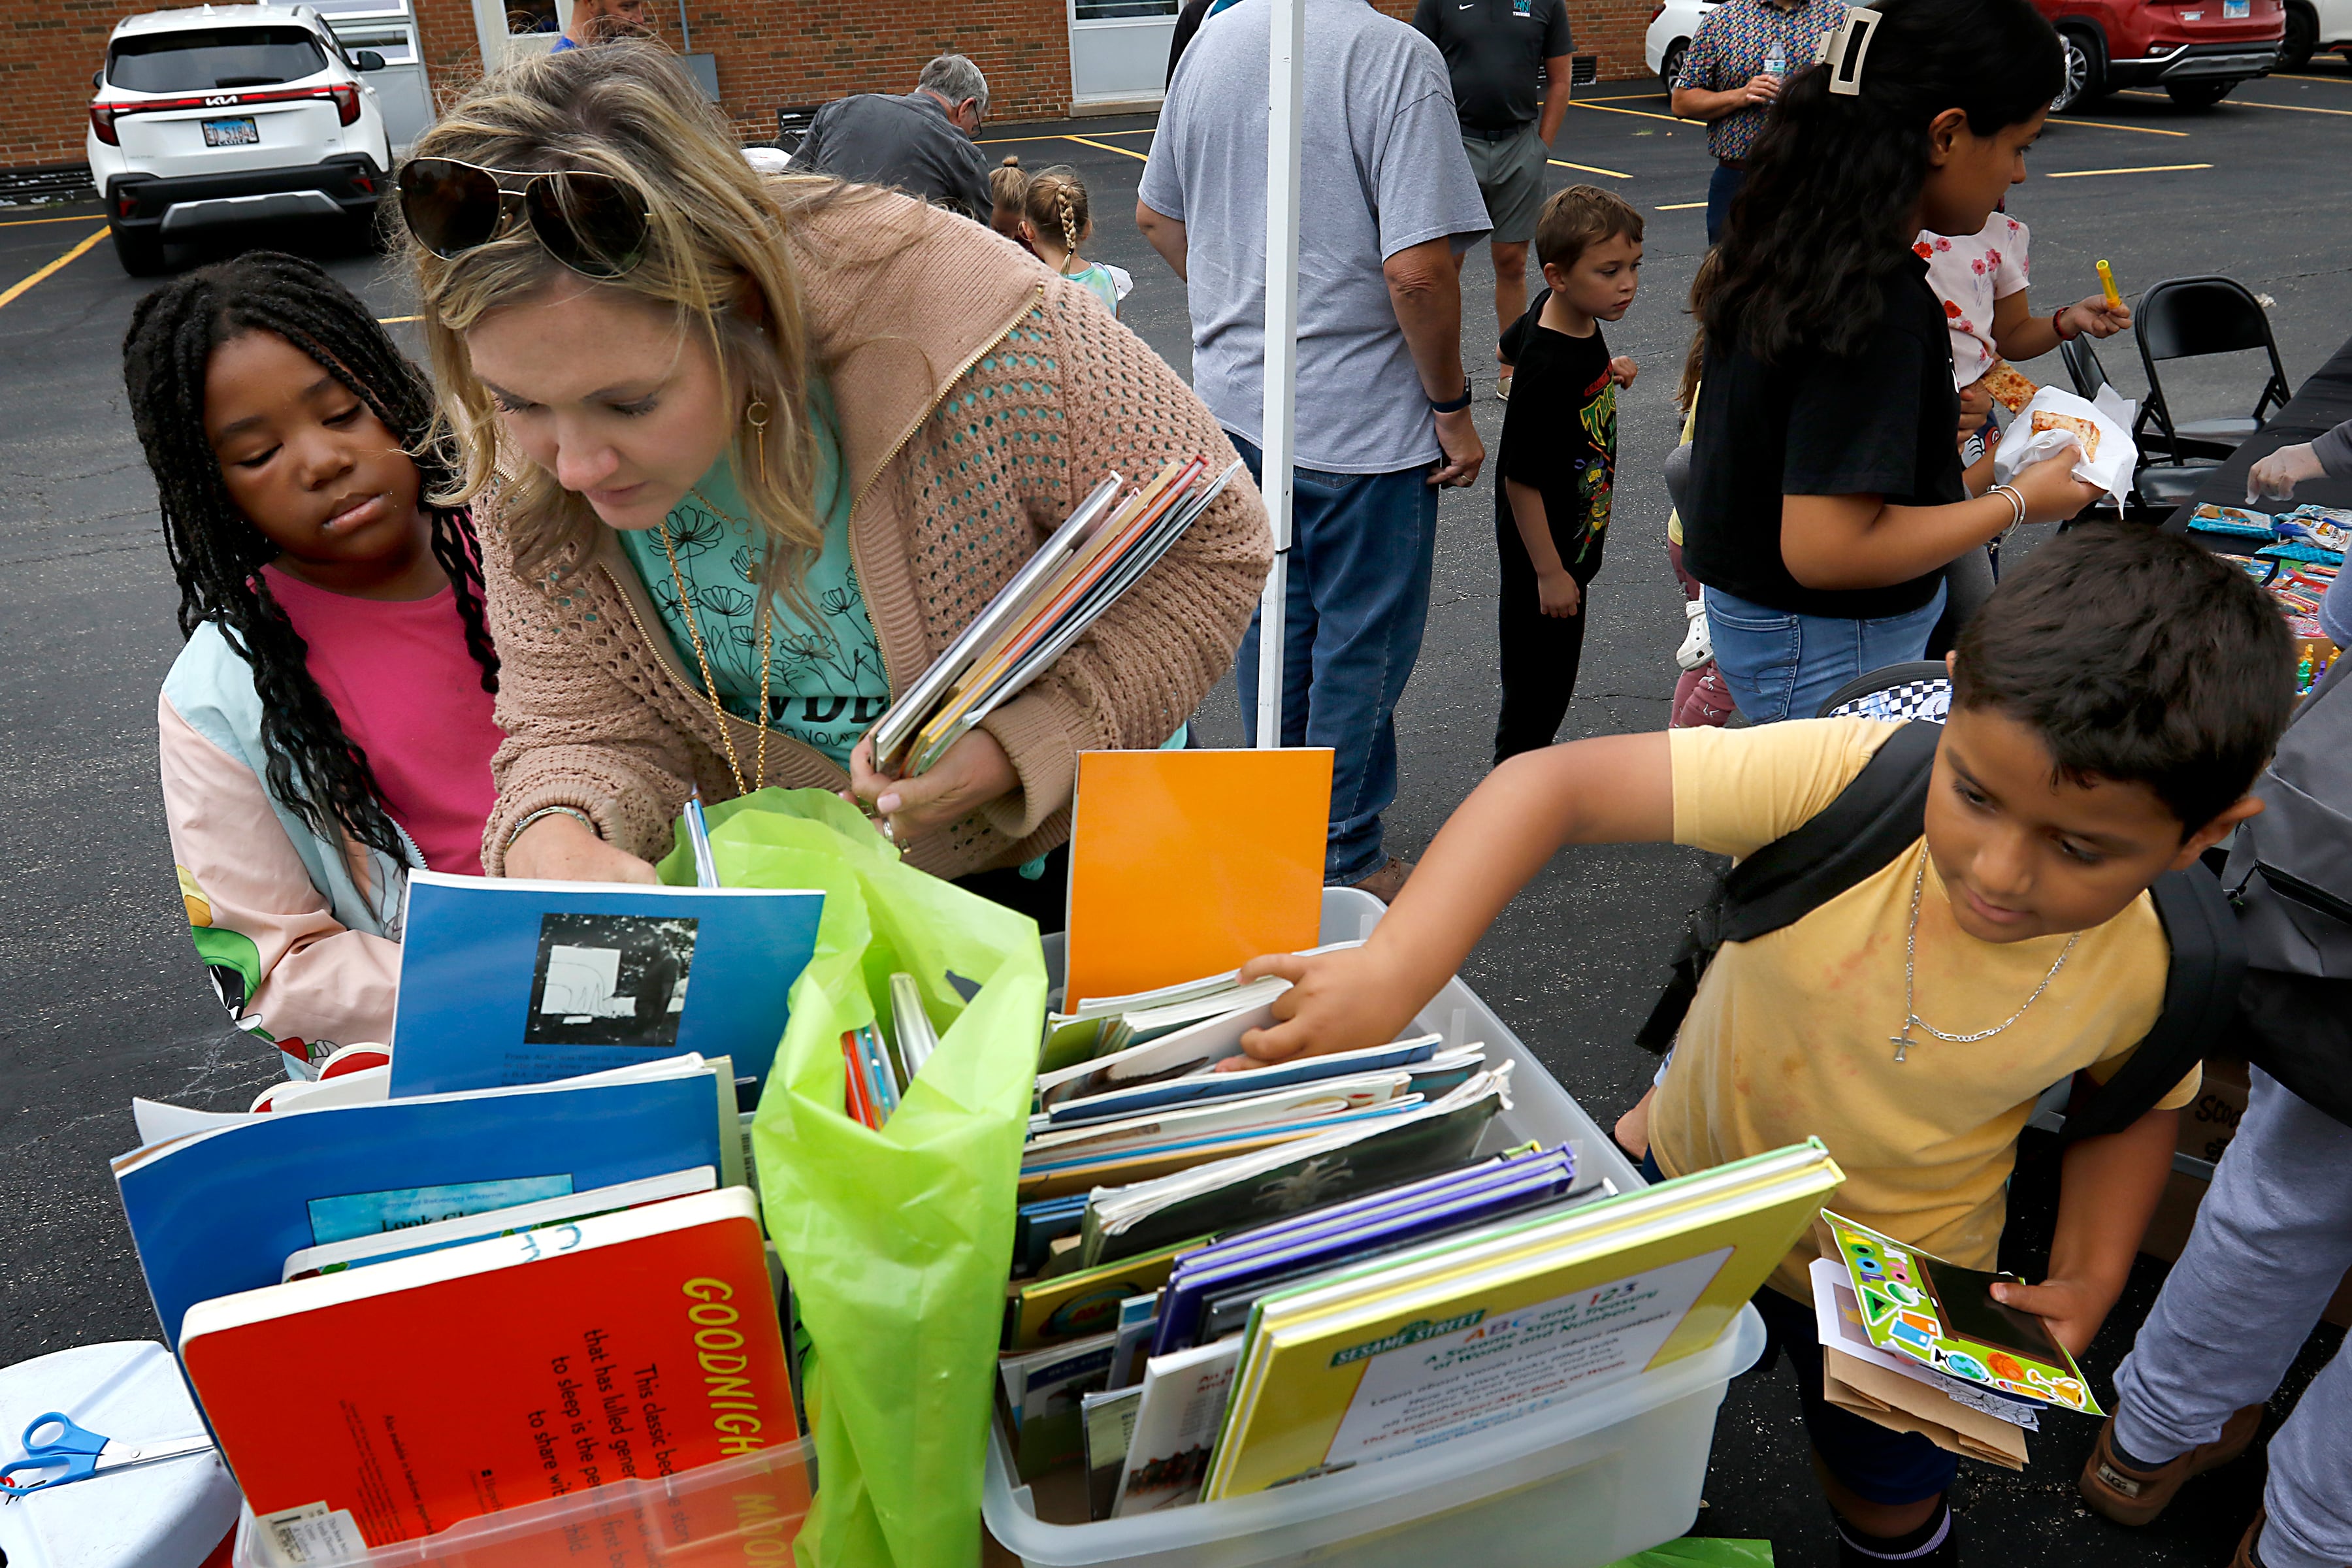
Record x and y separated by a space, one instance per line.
402 1310
530 1291
1229 1276
1918 1343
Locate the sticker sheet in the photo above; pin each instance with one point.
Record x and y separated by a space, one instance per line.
1943 1316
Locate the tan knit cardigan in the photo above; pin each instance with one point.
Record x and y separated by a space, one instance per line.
978 397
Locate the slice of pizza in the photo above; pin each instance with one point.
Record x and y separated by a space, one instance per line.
2083 430
2010 389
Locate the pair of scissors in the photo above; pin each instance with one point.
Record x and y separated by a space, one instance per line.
75 1454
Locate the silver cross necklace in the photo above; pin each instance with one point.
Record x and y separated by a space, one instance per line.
1911 1019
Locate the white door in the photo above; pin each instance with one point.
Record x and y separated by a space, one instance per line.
1119 50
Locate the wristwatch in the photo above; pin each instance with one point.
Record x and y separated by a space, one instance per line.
1455 406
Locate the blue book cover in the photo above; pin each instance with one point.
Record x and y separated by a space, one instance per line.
221 1210
507 981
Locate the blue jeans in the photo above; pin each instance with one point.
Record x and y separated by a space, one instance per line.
1779 665
2273 1237
1721 186
1357 597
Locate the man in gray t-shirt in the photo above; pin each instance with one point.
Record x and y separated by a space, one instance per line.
1387 204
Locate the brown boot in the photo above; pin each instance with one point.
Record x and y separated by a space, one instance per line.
2245 1557
1387 882
2129 1495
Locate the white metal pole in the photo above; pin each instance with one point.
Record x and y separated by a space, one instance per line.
1285 85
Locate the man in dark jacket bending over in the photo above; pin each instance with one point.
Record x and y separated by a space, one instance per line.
921 143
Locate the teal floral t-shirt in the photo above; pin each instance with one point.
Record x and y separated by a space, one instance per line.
827 684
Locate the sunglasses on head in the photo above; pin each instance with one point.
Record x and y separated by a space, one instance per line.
595 224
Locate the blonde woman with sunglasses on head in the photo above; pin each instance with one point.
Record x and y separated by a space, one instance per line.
741 450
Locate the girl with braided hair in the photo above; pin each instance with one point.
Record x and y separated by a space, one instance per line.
1055 221
328 727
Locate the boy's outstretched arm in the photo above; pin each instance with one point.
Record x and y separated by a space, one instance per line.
1617 789
2107 1191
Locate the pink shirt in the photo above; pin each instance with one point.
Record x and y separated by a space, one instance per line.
409 697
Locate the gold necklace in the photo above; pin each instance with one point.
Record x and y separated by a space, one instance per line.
767 624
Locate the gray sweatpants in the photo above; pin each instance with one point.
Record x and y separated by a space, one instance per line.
2272 1242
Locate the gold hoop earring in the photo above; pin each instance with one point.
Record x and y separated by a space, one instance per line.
755 414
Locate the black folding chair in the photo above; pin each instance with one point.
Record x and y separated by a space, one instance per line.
2082 367
2192 318
2155 486
793 123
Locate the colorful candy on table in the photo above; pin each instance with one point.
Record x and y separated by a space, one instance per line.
2297 566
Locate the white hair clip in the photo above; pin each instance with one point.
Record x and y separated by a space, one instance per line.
1843 49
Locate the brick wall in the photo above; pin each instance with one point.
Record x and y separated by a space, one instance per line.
770 53
46 54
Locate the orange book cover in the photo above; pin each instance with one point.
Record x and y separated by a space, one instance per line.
1186 863
412 1394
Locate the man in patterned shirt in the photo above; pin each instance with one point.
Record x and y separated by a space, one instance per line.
1732 72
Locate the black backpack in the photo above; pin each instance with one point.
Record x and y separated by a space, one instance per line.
1875 818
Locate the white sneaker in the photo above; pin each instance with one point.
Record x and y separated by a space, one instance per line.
1503 387
1698 646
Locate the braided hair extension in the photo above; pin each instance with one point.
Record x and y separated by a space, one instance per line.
217 554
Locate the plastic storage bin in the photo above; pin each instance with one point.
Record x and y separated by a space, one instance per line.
1582 1483
743 1512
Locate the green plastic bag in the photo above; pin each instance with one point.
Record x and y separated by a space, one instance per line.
1702 1552
896 1242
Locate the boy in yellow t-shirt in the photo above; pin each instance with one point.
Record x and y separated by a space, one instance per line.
2112 703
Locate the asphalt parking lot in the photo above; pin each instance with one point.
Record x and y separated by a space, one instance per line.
101 999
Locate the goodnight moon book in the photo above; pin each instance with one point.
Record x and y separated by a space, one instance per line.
1935 1312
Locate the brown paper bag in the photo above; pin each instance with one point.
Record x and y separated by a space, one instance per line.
1902 1405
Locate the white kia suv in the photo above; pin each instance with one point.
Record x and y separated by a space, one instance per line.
220 115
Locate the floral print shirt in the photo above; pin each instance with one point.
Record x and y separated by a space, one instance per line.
827 684
1736 41
1969 274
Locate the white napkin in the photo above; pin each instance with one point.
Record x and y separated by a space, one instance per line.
2109 465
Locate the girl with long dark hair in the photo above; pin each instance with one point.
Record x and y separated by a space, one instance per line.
328 727
1826 491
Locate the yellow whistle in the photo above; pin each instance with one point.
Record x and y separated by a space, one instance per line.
2107 282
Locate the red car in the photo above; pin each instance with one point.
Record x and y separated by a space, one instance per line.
2197 50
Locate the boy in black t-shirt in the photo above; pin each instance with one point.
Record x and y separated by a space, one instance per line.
1558 457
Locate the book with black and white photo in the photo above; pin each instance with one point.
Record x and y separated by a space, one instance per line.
508 981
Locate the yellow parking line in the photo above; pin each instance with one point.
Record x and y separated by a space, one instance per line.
1615 98
2252 103
1680 206
58 265
2151 169
77 217
1107 147
1645 113
2282 76
1588 169
2103 125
